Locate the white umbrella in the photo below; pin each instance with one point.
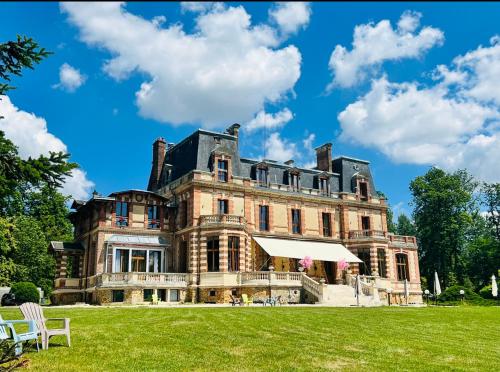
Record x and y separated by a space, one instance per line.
437 286
407 290
494 286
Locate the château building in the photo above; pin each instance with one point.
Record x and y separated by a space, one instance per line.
212 225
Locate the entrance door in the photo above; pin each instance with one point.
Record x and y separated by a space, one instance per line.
331 271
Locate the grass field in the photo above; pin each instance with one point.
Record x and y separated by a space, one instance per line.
264 338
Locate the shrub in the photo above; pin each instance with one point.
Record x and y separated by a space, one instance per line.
485 292
25 292
453 294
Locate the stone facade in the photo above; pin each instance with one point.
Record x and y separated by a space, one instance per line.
209 204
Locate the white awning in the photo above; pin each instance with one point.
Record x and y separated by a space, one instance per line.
137 239
301 248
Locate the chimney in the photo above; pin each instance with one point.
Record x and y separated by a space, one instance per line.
158 159
233 130
324 157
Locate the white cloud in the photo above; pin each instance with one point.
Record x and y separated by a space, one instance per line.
375 43
196 6
279 149
269 121
70 78
226 70
453 124
30 134
291 16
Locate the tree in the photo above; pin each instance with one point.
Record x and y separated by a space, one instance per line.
391 227
18 175
405 226
31 253
491 199
443 206
16 55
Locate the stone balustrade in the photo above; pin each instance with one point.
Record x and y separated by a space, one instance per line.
220 219
366 234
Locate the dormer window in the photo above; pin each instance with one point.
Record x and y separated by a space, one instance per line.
262 176
363 190
294 180
222 170
324 186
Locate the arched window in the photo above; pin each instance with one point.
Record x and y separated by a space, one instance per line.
402 266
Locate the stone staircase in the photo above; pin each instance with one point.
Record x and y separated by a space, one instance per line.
344 295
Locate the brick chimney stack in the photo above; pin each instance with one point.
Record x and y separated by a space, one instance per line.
159 147
324 157
234 130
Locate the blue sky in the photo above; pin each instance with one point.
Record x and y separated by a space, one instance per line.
178 67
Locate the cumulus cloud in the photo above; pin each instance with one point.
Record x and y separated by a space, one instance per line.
279 149
70 78
226 70
291 16
282 149
263 120
453 124
30 134
196 6
374 44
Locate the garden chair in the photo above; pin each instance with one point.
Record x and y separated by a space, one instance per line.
235 301
19 338
246 301
155 300
32 311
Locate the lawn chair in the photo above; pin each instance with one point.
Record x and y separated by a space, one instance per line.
32 311
155 300
235 301
246 301
19 338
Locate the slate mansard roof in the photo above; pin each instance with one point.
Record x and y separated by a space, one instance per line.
195 153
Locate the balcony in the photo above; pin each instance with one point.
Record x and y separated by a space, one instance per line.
179 280
402 241
252 278
222 219
67 283
367 234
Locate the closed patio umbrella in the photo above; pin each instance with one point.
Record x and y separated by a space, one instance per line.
494 286
437 286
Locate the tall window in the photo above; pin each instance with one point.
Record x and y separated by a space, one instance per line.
382 268
121 214
327 224
233 251
365 267
295 181
323 186
296 221
213 254
223 206
363 190
262 176
139 261
184 213
402 266
153 217
121 260
183 257
263 218
154 261
222 170
365 223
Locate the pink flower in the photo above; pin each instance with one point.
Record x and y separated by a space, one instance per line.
306 262
342 264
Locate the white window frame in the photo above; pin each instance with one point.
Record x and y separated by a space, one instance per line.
130 249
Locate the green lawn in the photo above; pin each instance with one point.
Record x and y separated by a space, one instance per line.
264 338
